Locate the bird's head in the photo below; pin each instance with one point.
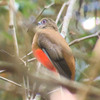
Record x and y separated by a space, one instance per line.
47 23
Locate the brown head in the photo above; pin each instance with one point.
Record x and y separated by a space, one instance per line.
47 23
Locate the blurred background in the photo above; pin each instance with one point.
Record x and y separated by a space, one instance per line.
85 21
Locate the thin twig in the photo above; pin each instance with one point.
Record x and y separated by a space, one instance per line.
84 38
28 96
84 74
10 81
60 25
67 18
2 71
23 61
45 7
61 10
31 60
27 54
12 25
50 81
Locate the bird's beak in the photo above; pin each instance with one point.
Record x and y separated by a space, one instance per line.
39 23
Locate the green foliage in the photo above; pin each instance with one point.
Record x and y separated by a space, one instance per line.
27 7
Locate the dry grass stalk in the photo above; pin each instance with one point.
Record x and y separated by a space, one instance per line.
12 24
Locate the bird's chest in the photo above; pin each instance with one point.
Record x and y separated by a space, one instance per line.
43 58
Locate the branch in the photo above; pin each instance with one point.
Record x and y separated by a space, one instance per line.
49 81
67 18
60 25
45 7
10 81
84 38
61 10
11 24
27 54
32 26
31 60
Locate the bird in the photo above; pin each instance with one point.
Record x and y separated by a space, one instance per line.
52 50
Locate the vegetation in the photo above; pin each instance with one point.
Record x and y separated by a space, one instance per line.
17 24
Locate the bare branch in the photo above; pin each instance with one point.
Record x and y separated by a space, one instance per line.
61 10
10 81
67 18
31 60
11 24
27 54
49 81
46 7
84 38
2 71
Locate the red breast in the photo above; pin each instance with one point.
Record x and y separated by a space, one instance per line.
43 58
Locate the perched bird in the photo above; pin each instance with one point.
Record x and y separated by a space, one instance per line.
51 49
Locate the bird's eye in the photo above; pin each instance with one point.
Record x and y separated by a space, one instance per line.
43 21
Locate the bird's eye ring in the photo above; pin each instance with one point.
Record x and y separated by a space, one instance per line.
44 21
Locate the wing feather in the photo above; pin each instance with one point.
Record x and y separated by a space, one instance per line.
54 53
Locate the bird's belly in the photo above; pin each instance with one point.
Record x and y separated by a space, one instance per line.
43 58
